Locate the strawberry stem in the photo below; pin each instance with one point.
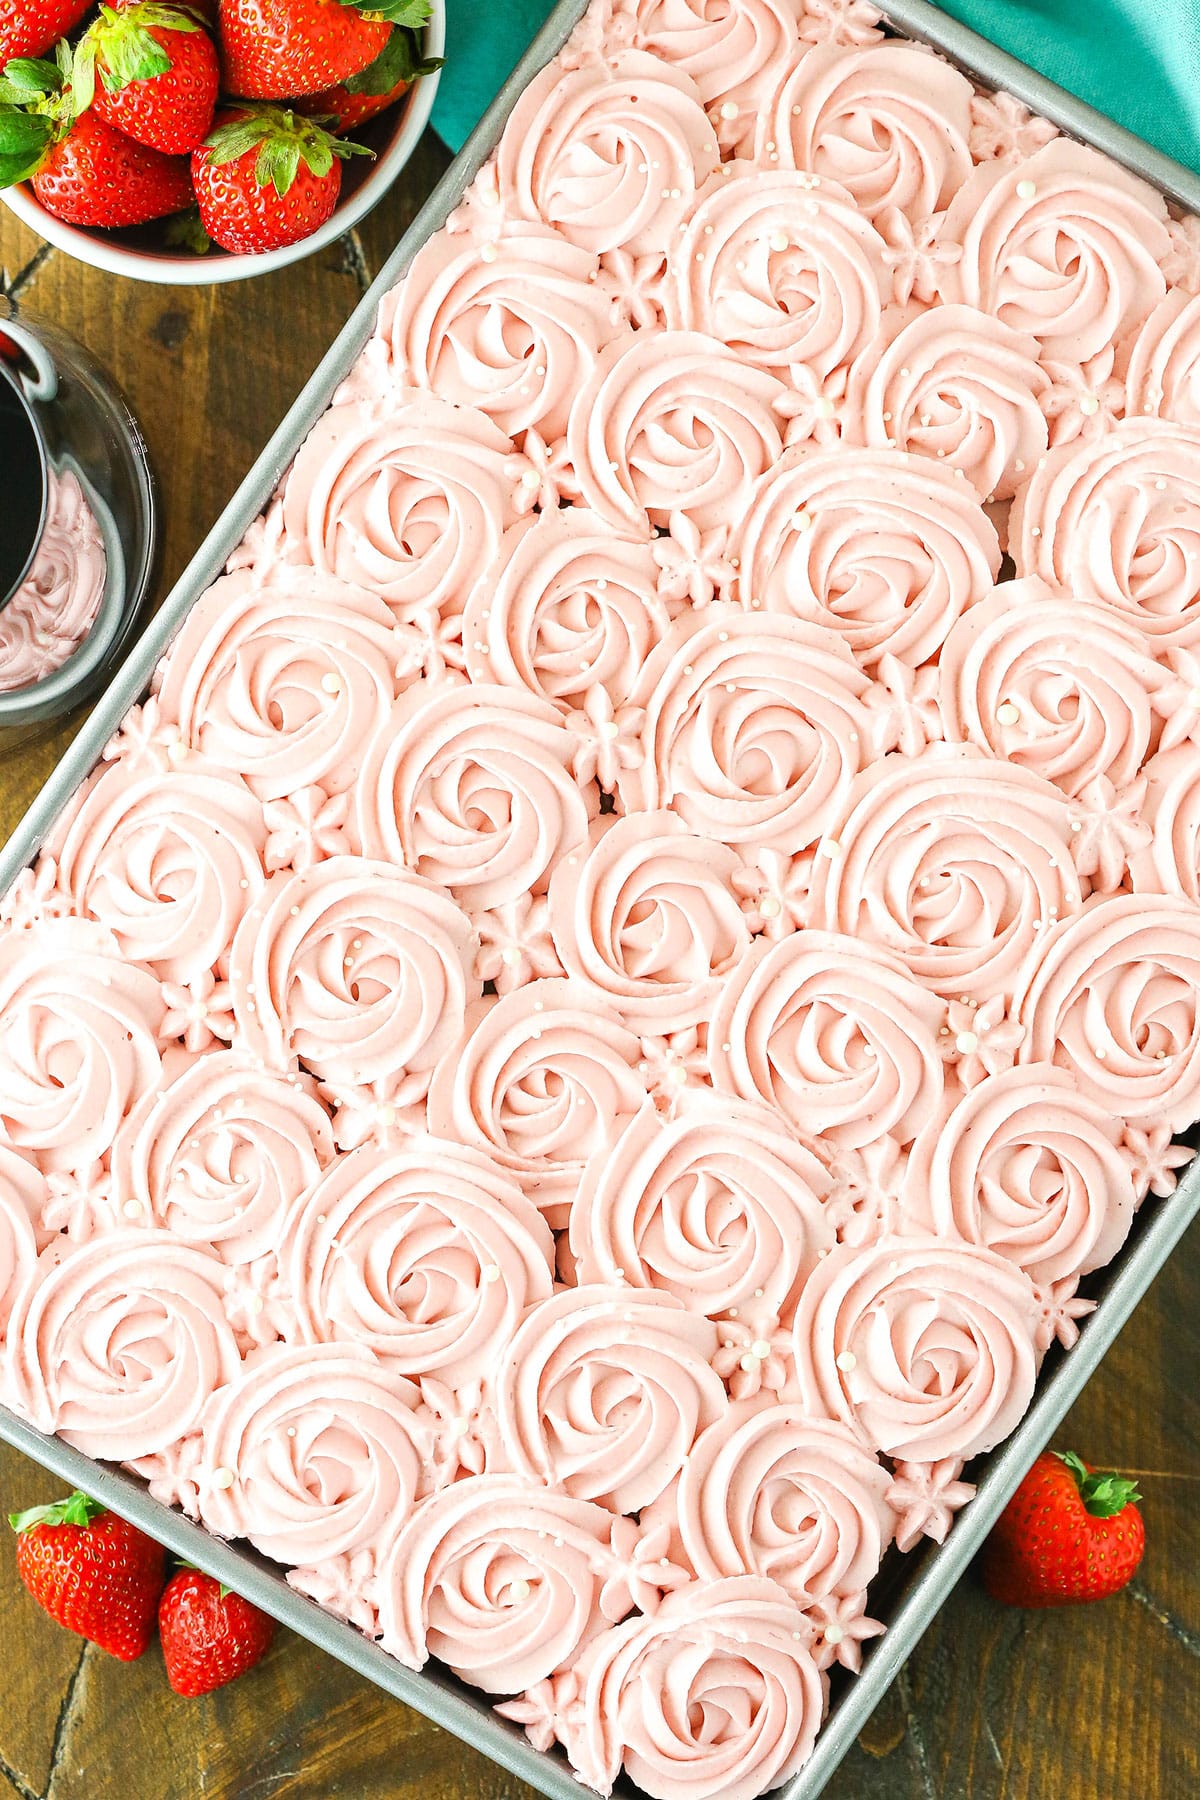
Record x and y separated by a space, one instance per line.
1104 1493
77 1509
283 140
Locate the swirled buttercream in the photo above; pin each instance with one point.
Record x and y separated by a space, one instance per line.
603 1392
325 1448
120 1343
1170 863
1119 516
54 609
536 1081
426 1254
359 969
885 548
889 123
283 683
470 785
781 269
219 1154
649 916
955 860
23 1195
673 422
924 1347
718 1205
609 152
1065 245
1160 362
835 1033
734 54
753 728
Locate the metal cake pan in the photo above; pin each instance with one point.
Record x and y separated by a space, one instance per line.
917 1585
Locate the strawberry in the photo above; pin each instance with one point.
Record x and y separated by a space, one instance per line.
365 95
209 1635
266 177
1068 1534
277 49
83 171
158 75
31 27
92 1571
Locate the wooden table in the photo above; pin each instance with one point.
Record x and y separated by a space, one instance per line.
995 1705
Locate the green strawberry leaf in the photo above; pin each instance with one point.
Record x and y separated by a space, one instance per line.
131 56
33 77
412 14
1104 1493
399 60
185 232
83 74
283 139
22 133
278 164
77 1509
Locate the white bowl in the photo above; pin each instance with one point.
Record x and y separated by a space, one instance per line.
174 268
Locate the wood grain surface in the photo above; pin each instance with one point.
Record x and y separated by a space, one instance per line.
1099 1703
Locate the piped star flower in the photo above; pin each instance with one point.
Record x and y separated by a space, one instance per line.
775 891
692 564
669 1065
1060 1309
438 651
266 544
608 738
753 1355
809 408
305 828
980 1040
542 474
372 1114
915 254
641 1570
198 1011
146 741
550 1712
1154 1160
255 1302
463 1434
1004 130
1181 265
636 285
1106 830
863 1203
1176 699
902 708
840 22
80 1203
34 896
1083 400
344 1585
925 1498
515 945
842 1628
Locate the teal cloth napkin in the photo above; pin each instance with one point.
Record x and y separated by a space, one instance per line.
1137 60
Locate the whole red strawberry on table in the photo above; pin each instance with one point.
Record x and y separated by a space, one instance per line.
104 1579
231 119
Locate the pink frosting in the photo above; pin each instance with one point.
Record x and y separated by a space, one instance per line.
1170 863
56 605
23 1195
734 54
1161 361
717 1205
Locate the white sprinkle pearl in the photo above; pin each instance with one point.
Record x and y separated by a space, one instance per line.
770 906
834 1634
610 729
223 1478
520 1590
531 479
778 240
966 1043
132 1209
1194 696
1026 190
487 253
331 684
1007 713
729 109
510 955
749 1364
802 521
491 1272
760 1349
1089 405
846 1360
459 1427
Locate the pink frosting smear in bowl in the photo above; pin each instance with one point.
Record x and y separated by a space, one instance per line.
56 605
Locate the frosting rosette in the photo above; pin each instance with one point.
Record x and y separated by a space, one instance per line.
284 683
54 609
497 1578
603 1393
950 383
120 1341
470 784
732 53
167 860
567 606
426 1254
406 502
924 1347
889 123
673 422
754 727
834 1032
1170 863
1031 1166
781 269
885 548
514 335
715 1696
1160 361
1064 245
358 968
78 1041
1058 683
325 1448
770 1490
1118 516
23 1194
219 1154
536 1081
1114 996
719 1205
649 916
956 861
611 152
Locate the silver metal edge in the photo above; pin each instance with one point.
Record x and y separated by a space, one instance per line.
466 1714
